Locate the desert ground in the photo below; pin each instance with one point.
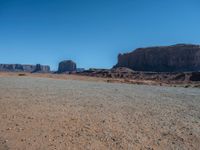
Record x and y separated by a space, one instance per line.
40 113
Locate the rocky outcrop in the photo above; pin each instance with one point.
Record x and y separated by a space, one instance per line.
120 72
66 66
24 68
176 58
195 76
41 69
128 74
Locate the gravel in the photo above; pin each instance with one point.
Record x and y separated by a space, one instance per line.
41 113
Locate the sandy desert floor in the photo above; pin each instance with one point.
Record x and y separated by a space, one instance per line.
48 114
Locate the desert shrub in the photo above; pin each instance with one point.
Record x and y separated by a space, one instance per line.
21 74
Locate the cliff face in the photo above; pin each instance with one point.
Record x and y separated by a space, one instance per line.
66 66
41 68
176 58
24 68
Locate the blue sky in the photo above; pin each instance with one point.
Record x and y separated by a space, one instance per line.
92 32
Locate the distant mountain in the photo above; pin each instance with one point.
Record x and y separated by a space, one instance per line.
175 58
24 68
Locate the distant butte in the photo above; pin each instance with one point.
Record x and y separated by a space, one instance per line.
66 66
175 58
24 68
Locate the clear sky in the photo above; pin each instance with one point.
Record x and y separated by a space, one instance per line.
92 32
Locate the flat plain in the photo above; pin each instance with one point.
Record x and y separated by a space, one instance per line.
44 114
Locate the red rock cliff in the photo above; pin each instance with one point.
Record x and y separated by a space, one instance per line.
176 58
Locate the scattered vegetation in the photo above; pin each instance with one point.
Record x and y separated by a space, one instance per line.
21 74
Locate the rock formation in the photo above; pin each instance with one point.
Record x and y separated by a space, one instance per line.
66 66
24 68
128 74
41 69
176 58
